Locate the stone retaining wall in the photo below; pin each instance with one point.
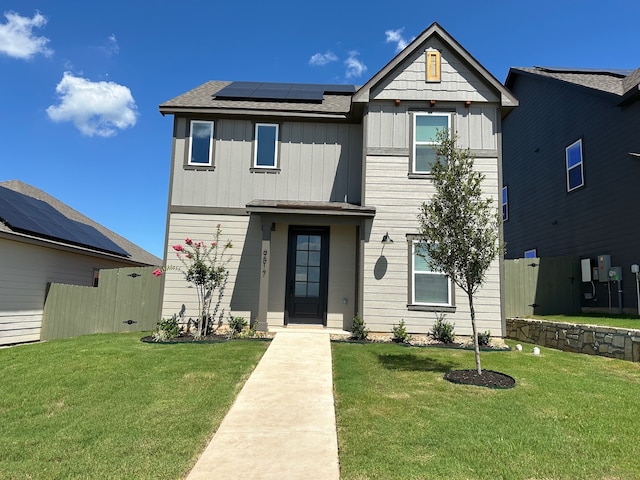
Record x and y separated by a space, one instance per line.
619 343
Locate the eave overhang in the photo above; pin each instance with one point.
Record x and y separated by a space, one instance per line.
290 207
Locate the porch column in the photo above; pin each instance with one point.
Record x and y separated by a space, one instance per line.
263 299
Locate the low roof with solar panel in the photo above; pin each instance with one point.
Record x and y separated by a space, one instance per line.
260 97
29 212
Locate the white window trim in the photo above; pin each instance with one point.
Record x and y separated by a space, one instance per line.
275 150
505 203
210 163
415 143
579 165
413 282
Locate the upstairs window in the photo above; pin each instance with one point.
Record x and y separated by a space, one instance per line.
505 204
201 143
425 127
266 146
429 287
575 175
530 253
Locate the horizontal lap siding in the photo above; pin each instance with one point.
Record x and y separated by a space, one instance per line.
241 293
397 199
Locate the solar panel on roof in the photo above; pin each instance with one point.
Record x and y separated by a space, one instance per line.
281 91
30 215
339 88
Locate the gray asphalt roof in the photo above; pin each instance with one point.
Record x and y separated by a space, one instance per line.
137 254
203 98
614 81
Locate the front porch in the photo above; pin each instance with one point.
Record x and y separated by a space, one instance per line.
310 263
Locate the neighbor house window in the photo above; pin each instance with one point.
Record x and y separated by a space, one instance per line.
425 127
201 143
505 204
530 253
575 174
265 153
429 287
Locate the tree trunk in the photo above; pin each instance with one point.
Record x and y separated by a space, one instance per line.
476 346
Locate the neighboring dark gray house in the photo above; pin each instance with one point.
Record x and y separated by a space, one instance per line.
571 169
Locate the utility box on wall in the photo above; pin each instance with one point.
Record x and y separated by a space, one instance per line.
615 274
604 266
585 269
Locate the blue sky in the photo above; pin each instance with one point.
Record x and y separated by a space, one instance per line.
80 82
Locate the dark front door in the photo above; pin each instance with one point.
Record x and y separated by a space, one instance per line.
307 274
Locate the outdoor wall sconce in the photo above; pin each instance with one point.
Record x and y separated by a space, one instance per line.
386 239
432 102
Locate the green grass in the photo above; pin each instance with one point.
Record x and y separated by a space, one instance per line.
621 321
570 416
110 406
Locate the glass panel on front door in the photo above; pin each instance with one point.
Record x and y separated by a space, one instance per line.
307 280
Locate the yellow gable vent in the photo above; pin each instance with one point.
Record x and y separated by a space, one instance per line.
432 64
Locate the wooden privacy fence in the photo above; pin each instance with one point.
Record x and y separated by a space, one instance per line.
125 300
542 286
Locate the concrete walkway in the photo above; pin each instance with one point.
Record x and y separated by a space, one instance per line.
282 424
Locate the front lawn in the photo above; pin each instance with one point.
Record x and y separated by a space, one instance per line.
570 416
109 406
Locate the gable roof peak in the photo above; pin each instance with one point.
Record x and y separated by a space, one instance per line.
435 30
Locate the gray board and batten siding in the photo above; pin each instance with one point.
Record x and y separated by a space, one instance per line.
318 161
602 216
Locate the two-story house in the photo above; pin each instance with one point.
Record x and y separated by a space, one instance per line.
319 188
571 164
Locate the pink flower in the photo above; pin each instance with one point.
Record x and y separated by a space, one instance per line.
198 244
178 248
218 226
213 244
188 255
157 272
188 241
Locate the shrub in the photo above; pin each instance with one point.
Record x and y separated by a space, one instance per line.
358 329
236 325
167 329
483 338
442 330
400 334
204 266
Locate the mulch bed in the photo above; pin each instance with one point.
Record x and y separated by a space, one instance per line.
488 378
213 338
188 339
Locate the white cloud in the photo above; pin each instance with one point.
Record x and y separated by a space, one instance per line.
320 59
355 68
395 36
111 47
17 39
95 108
